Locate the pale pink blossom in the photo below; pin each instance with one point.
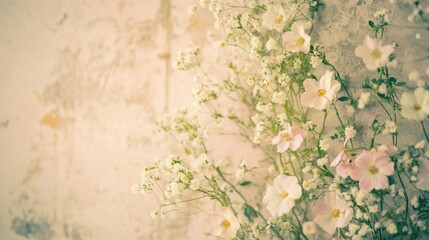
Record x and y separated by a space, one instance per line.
390 150
332 213
373 53
423 175
224 223
320 94
281 196
372 169
343 164
296 40
290 138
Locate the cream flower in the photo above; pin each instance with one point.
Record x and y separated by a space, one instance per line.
373 54
320 94
371 169
280 197
415 105
332 213
296 40
224 224
423 176
290 138
275 18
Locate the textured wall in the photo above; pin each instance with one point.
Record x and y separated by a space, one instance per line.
82 83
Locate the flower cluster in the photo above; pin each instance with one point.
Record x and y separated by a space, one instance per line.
318 170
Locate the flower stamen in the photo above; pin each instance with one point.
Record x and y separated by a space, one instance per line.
225 223
300 41
284 194
335 213
417 107
373 169
376 53
321 92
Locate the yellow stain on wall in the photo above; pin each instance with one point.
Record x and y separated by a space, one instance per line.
50 120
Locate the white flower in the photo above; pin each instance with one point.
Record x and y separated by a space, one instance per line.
390 127
309 228
275 18
423 176
224 224
324 144
391 228
414 76
279 97
415 105
363 100
350 132
373 54
296 40
280 197
271 44
320 94
332 213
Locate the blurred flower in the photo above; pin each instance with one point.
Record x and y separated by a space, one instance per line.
371 170
290 138
319 94
296 40
280 197
423 176
275 17
415 105
332 213
373 54
224 224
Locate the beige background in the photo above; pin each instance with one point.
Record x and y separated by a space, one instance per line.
82 83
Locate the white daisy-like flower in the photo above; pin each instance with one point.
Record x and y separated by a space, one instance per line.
373 53
224 224
320 94
415 105
332 213
281 196
296 40
275 17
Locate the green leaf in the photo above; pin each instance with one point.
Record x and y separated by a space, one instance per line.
371 24
249 212
245 183
375 126
399 84
343 98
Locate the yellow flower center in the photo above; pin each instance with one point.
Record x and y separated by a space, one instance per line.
284 194
225 223
287 137
373 169
375 53
279 19
335 212
300 41
417 107
321 92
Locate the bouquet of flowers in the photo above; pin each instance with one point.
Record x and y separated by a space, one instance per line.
327 160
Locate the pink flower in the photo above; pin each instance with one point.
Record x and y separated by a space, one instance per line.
343 164
371 170
224 224
332 213
290 138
